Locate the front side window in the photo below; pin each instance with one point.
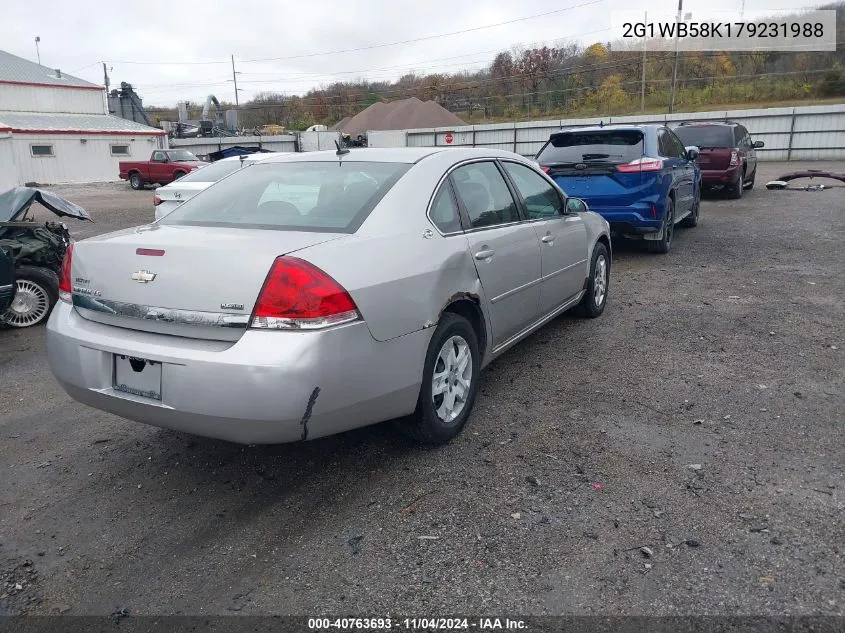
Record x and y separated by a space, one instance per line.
485 195
159 157
677 146
541 199
324 196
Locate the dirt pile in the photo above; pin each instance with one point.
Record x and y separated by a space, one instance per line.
399 115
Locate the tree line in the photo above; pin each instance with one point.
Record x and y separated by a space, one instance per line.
569 80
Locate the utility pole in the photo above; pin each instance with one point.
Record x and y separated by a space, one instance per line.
675 71
645 41
37 52
106 77
235 79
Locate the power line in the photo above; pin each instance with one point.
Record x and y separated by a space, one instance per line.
370 47
428 37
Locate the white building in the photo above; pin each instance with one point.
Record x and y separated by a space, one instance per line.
55 128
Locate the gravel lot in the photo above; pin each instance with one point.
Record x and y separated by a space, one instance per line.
701 417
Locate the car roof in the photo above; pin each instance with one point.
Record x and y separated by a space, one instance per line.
707 123
408 155
615 126
254 156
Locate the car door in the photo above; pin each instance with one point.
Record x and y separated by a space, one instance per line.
7 281
563 236
504 247
687 168
158 167
750 153
676 163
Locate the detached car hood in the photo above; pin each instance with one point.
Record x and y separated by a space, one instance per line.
15 202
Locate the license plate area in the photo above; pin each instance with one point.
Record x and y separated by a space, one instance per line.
137 376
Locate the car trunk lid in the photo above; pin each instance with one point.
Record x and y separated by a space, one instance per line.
196 282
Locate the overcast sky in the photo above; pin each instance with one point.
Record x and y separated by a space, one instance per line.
150 43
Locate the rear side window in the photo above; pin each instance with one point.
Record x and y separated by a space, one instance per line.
307 196
706 135
541 199
213 172
444 212
599 146
485 195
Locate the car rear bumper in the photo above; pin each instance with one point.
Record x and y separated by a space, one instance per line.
268 387
721 177
634 220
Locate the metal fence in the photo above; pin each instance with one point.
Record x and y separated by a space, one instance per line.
203 146
799 133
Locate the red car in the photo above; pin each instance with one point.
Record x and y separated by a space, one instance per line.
727 155
164 166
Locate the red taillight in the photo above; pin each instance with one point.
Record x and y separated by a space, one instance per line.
641 164
298 295
152 252
546 169
65 283
734 159
156 201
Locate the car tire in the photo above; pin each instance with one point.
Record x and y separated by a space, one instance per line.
663 245
136 181
692 219
750 185
427 425
37 293
593 302
737 190
178 174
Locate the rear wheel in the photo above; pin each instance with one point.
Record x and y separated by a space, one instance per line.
750 184
667 232
738 188
37 293
136 181
692 219
593 302
178 174
449 385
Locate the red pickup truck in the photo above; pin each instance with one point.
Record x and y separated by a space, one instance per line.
164 166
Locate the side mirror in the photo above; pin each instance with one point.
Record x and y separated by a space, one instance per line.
759 144
576 205
692 152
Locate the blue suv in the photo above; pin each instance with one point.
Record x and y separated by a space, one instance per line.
641 178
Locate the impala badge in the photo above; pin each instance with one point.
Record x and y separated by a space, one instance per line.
143 276
177 195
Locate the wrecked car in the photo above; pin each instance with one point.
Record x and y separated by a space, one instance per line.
36 252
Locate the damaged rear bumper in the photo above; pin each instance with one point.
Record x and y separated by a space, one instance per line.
266 388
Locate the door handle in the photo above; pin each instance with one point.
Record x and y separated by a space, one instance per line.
548 239
484 254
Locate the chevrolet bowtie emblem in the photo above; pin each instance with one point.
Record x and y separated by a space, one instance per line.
143 276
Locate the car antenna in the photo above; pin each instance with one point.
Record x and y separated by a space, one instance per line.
341 151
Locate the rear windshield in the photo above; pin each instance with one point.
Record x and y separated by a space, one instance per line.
213 172
309 196
706 135
610 146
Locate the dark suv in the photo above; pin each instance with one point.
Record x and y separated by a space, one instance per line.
727 155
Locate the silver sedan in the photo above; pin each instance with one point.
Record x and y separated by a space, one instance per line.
314 293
